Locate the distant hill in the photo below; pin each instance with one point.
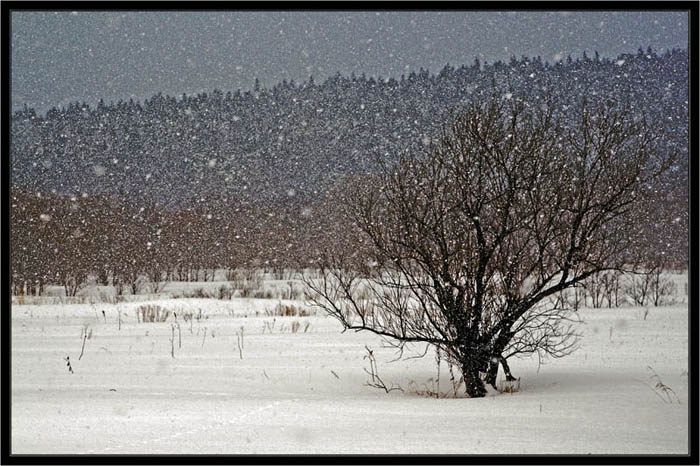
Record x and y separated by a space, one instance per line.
291 142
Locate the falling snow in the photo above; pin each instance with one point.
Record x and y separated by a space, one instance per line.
158 148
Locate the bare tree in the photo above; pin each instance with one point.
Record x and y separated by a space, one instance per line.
460 247
611 287
595 287
660 285
638 287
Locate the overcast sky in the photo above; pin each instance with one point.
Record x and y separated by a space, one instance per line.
60 57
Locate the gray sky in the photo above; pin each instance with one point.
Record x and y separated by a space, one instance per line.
60 57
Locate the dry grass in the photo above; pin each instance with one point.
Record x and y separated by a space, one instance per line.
288 310
509 386
152 313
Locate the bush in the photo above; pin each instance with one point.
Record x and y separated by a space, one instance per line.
225 292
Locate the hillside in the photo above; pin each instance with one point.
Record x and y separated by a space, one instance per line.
297 138
281 148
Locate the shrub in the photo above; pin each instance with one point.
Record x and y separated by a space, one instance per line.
225 292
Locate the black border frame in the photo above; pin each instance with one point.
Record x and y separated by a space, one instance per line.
692 7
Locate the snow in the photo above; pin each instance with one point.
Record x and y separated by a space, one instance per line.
305 392
226 164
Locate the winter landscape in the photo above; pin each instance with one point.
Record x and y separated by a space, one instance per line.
239 373
487 256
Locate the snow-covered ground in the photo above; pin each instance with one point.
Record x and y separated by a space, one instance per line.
304 391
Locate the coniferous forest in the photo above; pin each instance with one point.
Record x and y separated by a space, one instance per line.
174 187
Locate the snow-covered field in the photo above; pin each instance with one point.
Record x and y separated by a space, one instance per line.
304 391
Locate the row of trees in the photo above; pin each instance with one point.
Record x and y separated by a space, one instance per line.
61 240
67 241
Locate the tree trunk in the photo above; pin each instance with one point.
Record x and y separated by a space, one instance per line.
506 370
103 277
492 373
474 386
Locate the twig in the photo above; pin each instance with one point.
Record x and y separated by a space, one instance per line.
83 348
400 350
665 389
239 340
437 359
376 382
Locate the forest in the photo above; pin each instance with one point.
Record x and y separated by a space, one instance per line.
139 193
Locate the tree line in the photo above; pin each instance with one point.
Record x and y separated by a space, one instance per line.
261 163
59 240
